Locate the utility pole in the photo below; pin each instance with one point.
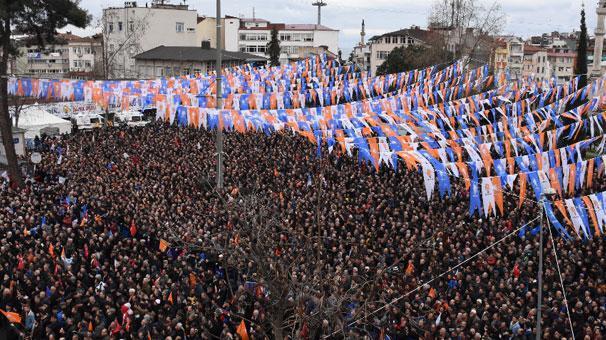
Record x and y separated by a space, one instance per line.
219 101
540 273
319 4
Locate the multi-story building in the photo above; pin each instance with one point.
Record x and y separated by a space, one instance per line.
69 56
130 30
206 31
500 57
548 63
515 47
85 55
562 65
382 45
297 41
52 61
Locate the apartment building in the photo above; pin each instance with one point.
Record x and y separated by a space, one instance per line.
131 29
382 45
69 56
548 63
297 41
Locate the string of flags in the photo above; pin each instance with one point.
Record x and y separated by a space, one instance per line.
452 122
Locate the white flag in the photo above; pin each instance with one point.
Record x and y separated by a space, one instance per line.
599 211
429 177
488 195
577 223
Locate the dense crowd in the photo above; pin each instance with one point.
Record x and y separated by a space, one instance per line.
121 233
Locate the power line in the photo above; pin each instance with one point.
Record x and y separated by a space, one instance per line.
435 278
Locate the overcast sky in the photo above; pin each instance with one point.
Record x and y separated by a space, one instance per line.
524 17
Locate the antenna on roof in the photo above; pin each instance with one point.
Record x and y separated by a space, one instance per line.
319 4
253 13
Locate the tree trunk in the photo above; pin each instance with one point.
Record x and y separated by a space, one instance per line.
276 326
5 121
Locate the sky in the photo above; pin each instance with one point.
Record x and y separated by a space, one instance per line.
524 17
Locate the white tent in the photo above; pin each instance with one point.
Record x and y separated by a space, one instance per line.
33 119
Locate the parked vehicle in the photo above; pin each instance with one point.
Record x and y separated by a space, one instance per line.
87 121
130 118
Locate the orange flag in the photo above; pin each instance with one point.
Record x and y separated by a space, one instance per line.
133 228
562 210
571 178
522 188
51 250
410 269
432 293
241 330
170 298
590 173
90 326
591 212
498 193
12 317
63 252
163 245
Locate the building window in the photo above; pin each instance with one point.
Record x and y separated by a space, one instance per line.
120 26
180 27
382 55
253 37
290 49
131 25
110 27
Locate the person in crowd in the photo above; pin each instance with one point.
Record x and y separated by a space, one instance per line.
114 237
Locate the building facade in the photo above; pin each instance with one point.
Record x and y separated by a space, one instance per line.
297 41
69 56
130 30
515 47
380 46
206 31
174 61
500 58
548 63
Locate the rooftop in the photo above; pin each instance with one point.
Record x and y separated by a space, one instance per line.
414 32
193 53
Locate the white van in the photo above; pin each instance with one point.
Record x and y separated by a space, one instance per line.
130 118
87 121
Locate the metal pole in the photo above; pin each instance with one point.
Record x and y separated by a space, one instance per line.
319 15
540 273
219 101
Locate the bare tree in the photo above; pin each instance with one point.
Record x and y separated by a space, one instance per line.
118 45
468 26
16 105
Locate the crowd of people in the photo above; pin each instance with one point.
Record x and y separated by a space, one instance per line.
121 233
